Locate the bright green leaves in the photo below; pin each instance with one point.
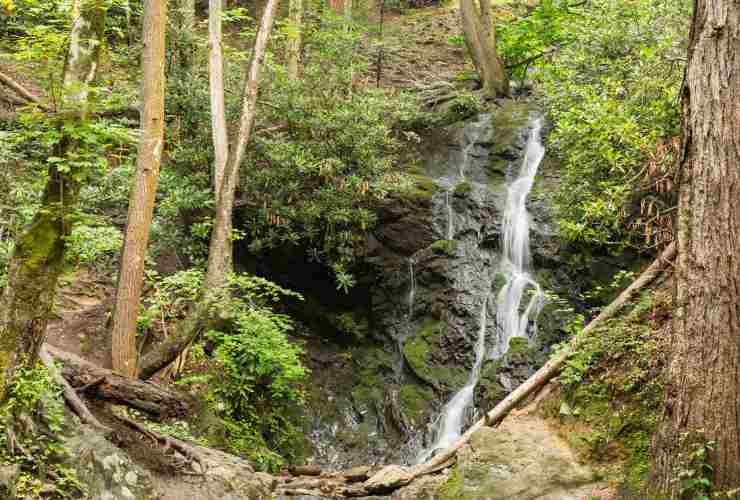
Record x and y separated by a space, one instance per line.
611 93
318 181
40 450
543 29
255 377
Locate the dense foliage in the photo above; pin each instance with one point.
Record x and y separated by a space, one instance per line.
610 83
39 452
316 181
254 379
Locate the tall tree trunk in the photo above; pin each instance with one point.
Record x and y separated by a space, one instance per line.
220 251
486 19
294 38
218 107
703 385
143 192
480 41
38 255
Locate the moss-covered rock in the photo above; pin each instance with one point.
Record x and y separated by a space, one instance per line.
424 354
416 402
463 189
522 459
445 247
423 188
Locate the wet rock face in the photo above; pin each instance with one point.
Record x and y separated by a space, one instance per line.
386 358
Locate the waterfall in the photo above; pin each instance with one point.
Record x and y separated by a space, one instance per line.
515 266
449 426
450 227
412 289
402 336
516 262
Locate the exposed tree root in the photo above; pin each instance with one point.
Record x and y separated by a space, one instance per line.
21 90
167 443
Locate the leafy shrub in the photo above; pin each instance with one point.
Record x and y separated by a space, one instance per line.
318 179
96 246
611 92
254 380
39 451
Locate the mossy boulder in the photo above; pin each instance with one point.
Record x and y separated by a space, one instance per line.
498 377
426 356
523 459
444 247
416 402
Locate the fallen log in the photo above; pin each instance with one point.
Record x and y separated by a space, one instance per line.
21 90
104 384
530 386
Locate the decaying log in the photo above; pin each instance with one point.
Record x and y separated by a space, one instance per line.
548 371
73 400
21 90
104 384
305 470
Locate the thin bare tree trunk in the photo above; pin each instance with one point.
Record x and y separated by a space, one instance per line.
552 367
294 38
702 391
218 107
143 192
481 45
38 255
220 252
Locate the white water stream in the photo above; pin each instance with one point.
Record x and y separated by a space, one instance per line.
511 320
516 262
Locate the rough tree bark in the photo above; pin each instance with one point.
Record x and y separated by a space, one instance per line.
143 192
294 38
480 40
218 107
38 256
220 250
703 385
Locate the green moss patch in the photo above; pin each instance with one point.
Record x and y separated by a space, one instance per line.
446 247
423 352
612 391
422 189
463 189
415 401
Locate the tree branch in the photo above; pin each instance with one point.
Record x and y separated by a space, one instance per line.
22 91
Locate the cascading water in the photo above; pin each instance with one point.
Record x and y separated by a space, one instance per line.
452 418
401 337
412 288
516 262
450 223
